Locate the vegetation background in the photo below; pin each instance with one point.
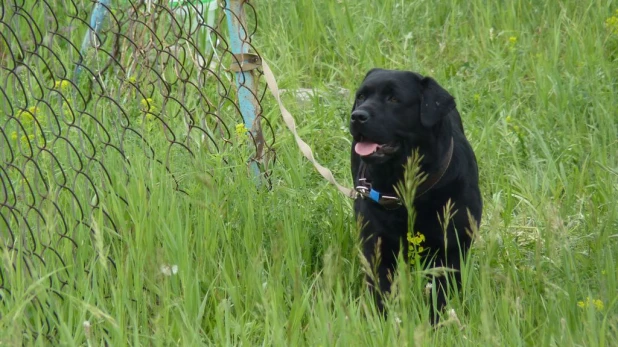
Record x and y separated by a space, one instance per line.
536 84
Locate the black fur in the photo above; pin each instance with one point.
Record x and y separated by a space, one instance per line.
410 111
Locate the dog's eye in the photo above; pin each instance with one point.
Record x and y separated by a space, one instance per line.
360 97
393 99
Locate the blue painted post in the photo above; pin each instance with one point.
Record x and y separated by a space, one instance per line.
100 12
245 80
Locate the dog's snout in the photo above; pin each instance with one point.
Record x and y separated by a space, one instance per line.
360 116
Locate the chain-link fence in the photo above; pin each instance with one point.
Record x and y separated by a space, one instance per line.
84 83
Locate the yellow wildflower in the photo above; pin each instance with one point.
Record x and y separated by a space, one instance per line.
241 129
513 40
611 23
417 239
597 303
148 105
514 127
415 245
26 138
27 116
62 84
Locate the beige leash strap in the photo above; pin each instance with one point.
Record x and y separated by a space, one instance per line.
291 124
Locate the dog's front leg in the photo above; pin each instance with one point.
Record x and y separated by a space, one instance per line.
380 254
444 282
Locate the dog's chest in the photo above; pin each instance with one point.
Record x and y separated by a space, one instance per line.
379 219
393 224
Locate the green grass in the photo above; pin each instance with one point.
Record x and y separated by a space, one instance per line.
535 83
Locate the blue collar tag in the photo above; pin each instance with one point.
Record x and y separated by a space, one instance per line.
373 195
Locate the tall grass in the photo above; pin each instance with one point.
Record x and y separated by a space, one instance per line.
535 83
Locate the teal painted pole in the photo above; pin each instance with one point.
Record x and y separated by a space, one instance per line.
245 80
99 13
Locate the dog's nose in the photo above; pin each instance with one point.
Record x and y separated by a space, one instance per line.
360 116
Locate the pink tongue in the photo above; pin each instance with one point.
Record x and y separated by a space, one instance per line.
365 148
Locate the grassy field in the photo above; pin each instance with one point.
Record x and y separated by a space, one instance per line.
228 264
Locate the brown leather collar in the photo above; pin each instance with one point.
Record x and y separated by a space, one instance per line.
365 190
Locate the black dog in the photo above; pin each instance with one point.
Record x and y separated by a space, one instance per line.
396 112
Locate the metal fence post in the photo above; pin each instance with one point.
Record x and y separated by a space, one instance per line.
244 75
99 14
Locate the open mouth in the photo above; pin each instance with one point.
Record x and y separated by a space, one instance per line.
366 148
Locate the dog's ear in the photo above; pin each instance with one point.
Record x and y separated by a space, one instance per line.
436 102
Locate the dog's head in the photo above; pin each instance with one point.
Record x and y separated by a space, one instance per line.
395 111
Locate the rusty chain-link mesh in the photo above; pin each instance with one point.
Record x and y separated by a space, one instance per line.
154 80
